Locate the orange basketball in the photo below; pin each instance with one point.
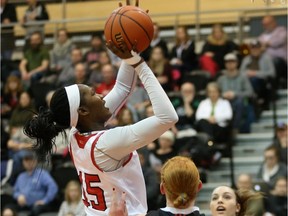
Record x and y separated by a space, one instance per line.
130 23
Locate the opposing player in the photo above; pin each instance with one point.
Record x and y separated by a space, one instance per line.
105 159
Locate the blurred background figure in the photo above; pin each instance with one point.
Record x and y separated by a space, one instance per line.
8 15
214 114
215 48
281 141
109 73
73 204
182 55
271 168
236 88
274 43
156 41
259 69
36 11
60 53
9 211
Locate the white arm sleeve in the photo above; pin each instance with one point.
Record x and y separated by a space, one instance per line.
125 82
119 142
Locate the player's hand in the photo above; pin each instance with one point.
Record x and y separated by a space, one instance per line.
118 208
128 3
121 51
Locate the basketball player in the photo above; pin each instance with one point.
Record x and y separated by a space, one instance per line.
105 159
180 183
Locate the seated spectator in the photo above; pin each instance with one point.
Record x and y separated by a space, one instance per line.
9 211
161 68
108 73
8 15
271 168
137 101
34 189
80 75
92 56
35 63
95 76
10 96
226 201
36 11
255 207
274 42
165 151
73 204
258 67
215 48
213 114
156 41
278 198
236 88
68 71
281 141
125 117
182 55
60 54
23 112
151 179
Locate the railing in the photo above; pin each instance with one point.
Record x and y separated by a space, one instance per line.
184 18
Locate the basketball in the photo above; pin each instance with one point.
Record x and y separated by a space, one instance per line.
130 23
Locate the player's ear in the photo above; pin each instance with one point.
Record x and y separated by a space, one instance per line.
162 188
83 111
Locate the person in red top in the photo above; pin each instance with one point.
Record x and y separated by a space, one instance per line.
109 78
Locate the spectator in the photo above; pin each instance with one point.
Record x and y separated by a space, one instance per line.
22 112
67 73
255 207
60 54
92 56
80 75
271 168
72 205
215 48
36 11
35 63
8 15
95 77
156 41
186 106
125 117
213 114
165 151
34 189
274 42
108 73
161 68
183 56
236 88
138 101
151 179
258 67
9 211
226 201
10 97
281 141
278 198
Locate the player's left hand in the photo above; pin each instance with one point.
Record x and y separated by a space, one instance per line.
118 208
122 52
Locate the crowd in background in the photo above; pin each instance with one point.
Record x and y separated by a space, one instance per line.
217 94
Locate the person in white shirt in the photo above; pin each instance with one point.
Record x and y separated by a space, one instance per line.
213 114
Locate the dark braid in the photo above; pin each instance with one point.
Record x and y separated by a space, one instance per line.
48 123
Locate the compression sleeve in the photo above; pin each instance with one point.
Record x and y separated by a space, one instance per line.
118 142
125 82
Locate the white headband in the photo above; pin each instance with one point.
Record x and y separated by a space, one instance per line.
73 95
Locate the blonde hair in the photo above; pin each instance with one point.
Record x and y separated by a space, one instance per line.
176 174
67 188
245 198
13 78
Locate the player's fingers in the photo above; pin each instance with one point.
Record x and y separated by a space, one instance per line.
114 200
134 47
147 11
137 3
120 4
127 2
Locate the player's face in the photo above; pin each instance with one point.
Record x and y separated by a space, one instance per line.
223 202
94 105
